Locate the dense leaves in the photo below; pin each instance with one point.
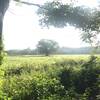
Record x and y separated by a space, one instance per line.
50 78
47 47
60 15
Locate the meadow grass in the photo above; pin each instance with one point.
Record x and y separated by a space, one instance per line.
12 59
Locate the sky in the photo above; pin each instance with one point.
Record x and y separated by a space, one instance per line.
21 28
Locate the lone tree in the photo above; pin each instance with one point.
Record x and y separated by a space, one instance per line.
47 47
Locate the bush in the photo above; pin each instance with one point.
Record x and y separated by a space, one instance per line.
87 78
66 77
52 81
38 86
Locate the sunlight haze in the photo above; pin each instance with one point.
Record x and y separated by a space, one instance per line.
21 28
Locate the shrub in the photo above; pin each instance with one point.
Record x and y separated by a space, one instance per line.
66 77
87 79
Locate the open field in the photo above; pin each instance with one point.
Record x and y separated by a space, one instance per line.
21 59
59 77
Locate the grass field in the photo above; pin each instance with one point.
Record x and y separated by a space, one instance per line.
29 59
59 77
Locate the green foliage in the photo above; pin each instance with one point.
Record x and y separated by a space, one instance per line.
87 78
34 87
47 46
60 15
50 78
1 52
66 78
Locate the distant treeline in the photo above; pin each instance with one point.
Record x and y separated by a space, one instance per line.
62 50
82 50
27 51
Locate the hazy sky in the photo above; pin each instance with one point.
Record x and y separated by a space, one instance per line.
22 30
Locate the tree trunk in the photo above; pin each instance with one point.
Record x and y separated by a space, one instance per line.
3 7
1 44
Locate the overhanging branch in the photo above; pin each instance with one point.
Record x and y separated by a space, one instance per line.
31 4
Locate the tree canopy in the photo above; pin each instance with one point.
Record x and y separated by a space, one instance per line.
47 47
60 15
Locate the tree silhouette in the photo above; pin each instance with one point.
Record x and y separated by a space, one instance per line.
47 47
